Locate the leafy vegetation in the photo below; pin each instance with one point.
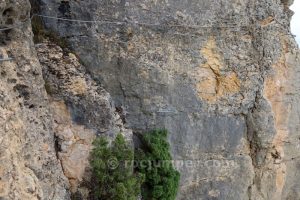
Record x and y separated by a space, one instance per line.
114 179
154 161
154 178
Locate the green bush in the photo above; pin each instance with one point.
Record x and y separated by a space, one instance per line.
154 161
114 179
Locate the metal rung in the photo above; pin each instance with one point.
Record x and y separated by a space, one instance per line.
5 59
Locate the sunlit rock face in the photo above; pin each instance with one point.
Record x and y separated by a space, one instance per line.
29 168
47 123
221 76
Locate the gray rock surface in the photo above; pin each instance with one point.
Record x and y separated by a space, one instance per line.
221 76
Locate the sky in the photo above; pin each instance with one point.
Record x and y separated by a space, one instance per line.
295 24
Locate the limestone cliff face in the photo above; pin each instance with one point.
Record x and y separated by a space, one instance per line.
47 123
81 110
222 76
29 168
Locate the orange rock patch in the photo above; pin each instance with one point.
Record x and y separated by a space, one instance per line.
275 90
267 21
76 144
214 85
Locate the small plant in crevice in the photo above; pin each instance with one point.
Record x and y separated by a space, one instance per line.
114 179
154 161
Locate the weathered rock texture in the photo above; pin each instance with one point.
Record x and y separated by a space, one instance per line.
29 168
81 109
47 125
221 76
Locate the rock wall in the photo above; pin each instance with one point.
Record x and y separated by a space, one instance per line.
29 168
81 110
221 76
50 112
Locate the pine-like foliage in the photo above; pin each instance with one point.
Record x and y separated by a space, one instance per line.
154 161
114 178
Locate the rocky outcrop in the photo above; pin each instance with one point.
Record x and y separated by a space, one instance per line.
81 110
29 168
47 123
221 76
